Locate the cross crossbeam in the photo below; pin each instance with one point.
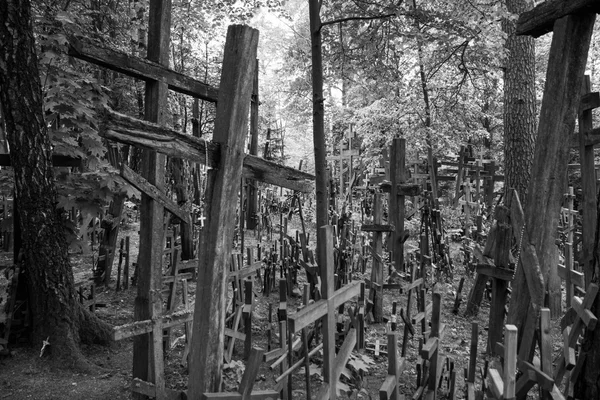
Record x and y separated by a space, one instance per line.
133 131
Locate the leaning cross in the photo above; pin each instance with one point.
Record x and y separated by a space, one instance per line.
572 23
325 308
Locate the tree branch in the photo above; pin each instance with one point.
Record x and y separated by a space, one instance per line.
336 21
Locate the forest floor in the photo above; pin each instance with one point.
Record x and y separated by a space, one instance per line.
24 375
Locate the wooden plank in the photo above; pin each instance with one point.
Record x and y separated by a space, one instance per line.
510 361
576 277
276 174
316 310
298 364
589 101
326 272
568 351
180 277
124 129
540 20
307 315
231 124
525 383
377 264
562 92
152 191
496 384
473 352
586 315
136 67
344 353
140 327
148 360
430 347
588 186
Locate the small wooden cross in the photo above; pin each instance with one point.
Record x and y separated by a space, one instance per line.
390 388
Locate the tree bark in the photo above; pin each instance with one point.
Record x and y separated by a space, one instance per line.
55 311
318 122
519 103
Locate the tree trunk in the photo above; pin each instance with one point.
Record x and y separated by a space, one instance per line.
519 123
318 121
519 103
56 313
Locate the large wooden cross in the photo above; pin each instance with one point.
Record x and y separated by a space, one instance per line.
325 308
225 155
572 24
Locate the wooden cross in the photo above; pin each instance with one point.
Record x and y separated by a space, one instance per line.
430 350
504 387
377 265
226 153
584 319
390 389
325 308
572 23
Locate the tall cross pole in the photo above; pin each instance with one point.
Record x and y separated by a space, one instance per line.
147 349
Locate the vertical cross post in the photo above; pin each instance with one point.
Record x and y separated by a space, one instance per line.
222 184
148 364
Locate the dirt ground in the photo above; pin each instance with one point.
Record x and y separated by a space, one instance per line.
24 375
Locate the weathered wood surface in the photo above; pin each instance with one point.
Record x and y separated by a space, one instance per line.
530 278
129 130
140 327
319 309
150 190
390 389
325 309
231 125
588 187
136 67
148 360
560 104
251 217
540 20
377 264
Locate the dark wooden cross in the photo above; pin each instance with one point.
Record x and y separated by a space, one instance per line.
228 162
390 389
572 24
